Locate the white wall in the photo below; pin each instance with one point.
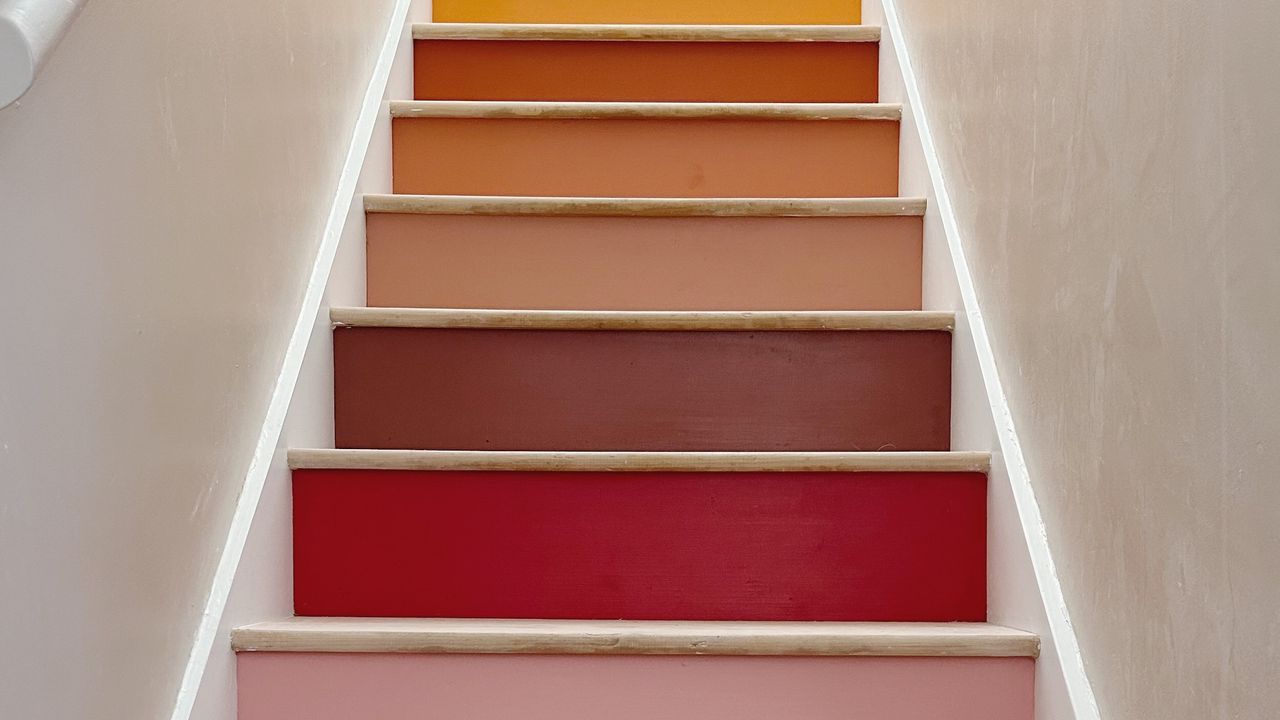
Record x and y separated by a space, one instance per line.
1022 584
255 581
1114 168
162 192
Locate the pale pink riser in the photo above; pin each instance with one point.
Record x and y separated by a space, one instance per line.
303 686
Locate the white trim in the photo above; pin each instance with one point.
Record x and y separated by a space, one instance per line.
1064 643
371 109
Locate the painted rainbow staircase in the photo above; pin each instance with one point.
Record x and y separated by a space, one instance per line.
643 418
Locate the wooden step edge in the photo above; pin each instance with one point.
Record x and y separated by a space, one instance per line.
650 33
641 320
688 462
643 207
646 110
619 637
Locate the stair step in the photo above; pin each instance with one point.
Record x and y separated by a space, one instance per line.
650 33
646 149
703 12
643 253
727 321
527 110
643 207
336 669
689 462
558 539
485 61
662 381
622 637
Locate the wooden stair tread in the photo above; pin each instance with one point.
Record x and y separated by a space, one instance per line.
328 459
906 320
652 33
643 207
655 110
620 637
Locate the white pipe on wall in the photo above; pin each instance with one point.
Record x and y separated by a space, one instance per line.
29 30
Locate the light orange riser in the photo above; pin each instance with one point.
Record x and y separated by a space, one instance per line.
655 263
646 157
640 71
694 12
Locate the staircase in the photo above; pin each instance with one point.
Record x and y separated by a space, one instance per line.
643 418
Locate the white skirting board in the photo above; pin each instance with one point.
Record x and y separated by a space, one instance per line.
258 583
1023 587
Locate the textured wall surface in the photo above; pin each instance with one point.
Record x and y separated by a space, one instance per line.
162 191
1115 168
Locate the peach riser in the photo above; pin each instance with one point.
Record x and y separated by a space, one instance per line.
628 263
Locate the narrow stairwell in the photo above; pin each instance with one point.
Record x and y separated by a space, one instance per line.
644 418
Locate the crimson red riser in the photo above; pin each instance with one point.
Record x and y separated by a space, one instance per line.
642 546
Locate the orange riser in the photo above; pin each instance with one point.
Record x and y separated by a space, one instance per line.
653 71
630 157
630 263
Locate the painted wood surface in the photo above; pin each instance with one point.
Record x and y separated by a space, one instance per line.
283 686
610 110
686 320
756 638
334 459
711 12
656 71
641 546
627 263
646 32
416 388
642 207
645 157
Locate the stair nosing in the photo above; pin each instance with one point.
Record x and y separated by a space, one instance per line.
643 207
689 462
761 321
534 110
622 637
646 32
